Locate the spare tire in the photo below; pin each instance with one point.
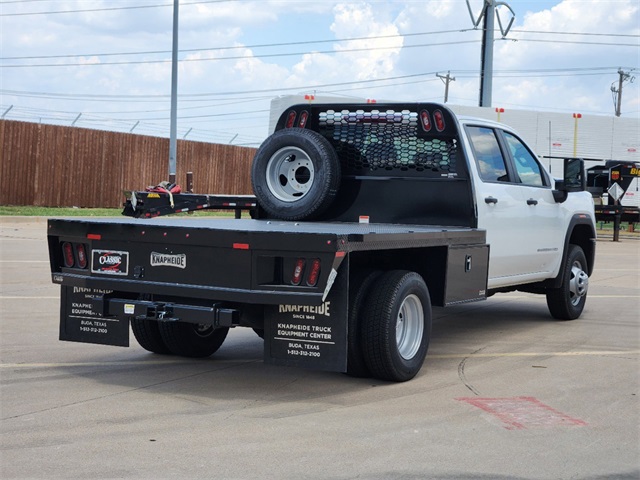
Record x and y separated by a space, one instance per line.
295 174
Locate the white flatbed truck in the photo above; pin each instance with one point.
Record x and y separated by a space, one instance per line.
364 216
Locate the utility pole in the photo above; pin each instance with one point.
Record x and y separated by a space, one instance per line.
617 92
486 58
446 79
489 15
173 141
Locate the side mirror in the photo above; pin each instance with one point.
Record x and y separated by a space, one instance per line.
574 179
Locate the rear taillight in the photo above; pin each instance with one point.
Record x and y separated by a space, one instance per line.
298 271
81 255
74 255
314 273
67 255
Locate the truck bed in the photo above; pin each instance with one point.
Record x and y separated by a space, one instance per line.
261 226
228 259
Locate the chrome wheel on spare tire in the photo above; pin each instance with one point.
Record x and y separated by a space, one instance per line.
295 174
290 174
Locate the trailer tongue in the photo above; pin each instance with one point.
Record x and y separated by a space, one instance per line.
156 204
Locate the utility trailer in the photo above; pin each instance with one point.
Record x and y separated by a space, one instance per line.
615 188
364 216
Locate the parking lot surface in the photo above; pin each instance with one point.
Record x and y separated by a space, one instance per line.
505 393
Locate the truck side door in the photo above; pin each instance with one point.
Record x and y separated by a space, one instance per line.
515 205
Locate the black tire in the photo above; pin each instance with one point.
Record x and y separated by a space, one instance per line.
192 340
295 174
359 288
147 333
396 326
568 301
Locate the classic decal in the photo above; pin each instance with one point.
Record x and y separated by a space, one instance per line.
112 262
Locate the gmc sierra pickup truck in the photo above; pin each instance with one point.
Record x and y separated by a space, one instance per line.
364 216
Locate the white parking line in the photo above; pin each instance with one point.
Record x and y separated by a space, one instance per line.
24 261
440 356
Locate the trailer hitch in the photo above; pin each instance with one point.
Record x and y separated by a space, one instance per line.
215 315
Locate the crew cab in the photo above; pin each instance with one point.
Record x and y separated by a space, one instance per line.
363 217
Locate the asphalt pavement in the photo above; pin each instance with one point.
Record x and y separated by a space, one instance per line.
505 393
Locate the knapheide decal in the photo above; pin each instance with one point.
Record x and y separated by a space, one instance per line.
168 260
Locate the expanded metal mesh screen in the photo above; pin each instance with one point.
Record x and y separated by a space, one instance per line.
387 142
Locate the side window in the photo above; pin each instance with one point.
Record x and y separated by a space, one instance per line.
488 154
527 166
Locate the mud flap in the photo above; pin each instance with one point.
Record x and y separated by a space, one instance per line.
81 319
310 336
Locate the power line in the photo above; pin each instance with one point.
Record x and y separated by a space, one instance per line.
241 57
307 42
277 55
604 70
238 47
586 34
109 9
575 42
6 2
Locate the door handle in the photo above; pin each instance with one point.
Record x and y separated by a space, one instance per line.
490 200
531 201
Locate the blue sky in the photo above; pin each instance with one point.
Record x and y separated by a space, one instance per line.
560 56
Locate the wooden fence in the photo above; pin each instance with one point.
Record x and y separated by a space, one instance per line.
51 166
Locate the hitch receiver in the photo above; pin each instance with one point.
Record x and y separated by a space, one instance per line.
214 315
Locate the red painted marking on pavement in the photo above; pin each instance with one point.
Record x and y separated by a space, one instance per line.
518 413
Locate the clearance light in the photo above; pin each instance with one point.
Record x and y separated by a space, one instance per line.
241 246
439 120
425 120
291 118
94 236
81 255
314 273
67 254
298 271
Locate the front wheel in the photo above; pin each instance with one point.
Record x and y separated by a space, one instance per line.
396 326
567 301
192 340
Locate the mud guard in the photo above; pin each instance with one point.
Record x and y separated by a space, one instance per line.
310 336
81 319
